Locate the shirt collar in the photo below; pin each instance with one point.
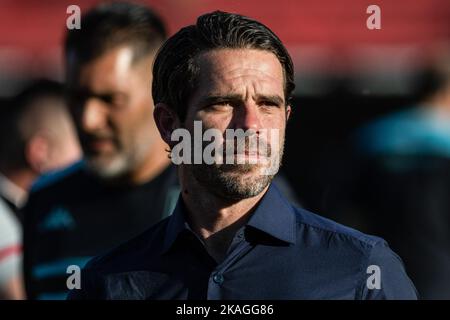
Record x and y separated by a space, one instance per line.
273 215
13 193
177 224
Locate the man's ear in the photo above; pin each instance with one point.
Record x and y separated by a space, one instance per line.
166 120
288 112
37 153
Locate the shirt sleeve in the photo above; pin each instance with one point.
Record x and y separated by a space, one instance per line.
385 277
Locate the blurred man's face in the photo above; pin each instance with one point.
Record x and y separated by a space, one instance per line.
112 107
240 89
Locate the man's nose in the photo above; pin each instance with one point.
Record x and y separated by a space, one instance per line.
248 117
94 115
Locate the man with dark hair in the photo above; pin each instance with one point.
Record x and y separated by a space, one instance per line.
36 136
233 235
125 182
116 38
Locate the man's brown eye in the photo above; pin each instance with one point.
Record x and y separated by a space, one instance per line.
222 103
77 100
219 105
115 100
269 103
118 100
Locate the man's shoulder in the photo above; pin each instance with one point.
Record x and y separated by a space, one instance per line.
53 194
61 181
324 229
371 253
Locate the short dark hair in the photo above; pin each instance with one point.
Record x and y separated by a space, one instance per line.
175 69
13 110
110 25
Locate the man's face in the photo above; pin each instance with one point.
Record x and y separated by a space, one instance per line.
112 107
240 89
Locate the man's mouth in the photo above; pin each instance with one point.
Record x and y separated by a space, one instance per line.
247 157
100 145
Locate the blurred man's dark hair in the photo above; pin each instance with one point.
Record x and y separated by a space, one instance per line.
20 119
175 70
114 24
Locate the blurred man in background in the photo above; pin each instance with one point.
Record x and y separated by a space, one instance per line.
36 137
403 189
125 183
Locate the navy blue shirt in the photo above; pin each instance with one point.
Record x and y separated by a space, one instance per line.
281 253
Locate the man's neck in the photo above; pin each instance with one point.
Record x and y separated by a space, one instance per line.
215 219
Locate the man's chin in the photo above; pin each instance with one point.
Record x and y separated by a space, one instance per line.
107 167
235 182
244 187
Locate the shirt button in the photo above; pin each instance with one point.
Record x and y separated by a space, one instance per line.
218 278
